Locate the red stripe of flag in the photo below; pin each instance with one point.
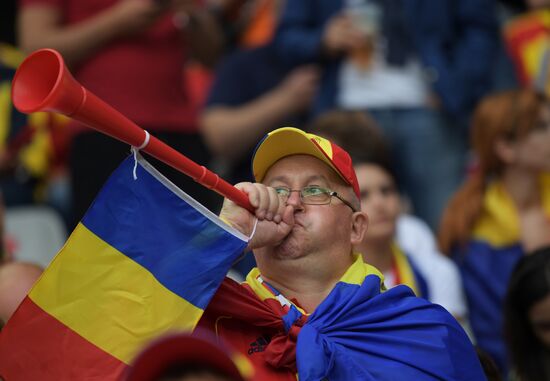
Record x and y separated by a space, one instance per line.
518 34
48 350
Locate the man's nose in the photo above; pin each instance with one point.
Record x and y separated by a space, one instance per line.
294 199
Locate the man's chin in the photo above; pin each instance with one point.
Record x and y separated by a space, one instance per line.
291 247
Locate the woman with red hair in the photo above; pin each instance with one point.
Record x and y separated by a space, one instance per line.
502 211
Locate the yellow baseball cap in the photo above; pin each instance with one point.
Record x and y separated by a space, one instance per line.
287 141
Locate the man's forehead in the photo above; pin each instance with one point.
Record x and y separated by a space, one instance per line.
305 177
304 167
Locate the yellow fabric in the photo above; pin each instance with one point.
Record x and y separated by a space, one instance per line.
5 112
499 222
359 270
355 274
246 369
404 269
533 53
36 155
109 299
529 43
11 57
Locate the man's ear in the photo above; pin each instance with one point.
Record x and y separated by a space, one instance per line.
359 226
505 150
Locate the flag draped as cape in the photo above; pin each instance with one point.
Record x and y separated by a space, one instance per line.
359 332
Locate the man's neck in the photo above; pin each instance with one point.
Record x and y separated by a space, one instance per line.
304 281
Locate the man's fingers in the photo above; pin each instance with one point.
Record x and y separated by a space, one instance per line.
252 192
263 201
274 202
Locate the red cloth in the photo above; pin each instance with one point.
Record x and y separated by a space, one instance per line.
139 76
255 328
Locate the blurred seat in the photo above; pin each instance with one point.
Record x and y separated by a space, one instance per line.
36 233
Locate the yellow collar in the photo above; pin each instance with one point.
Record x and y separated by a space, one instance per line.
355 274
498 223
404 269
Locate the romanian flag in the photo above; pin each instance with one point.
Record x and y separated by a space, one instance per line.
359 332
146 259
528 43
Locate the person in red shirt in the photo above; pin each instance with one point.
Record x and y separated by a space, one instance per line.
131 54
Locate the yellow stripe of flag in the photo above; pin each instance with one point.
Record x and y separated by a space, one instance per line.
109 299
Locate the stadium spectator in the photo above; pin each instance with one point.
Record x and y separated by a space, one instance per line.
409 64
130 53
502 211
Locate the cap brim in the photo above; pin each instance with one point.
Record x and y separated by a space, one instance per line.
285 142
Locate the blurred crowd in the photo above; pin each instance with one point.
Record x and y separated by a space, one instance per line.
443 105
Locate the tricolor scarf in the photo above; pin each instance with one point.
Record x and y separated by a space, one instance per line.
359 332
527 39
405 272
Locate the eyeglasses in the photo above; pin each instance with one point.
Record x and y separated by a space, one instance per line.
312 195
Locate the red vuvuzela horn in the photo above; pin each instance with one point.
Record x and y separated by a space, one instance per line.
43 83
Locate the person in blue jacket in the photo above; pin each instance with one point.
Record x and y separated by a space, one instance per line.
417 66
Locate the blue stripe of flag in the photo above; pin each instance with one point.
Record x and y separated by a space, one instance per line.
359 333
145 220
